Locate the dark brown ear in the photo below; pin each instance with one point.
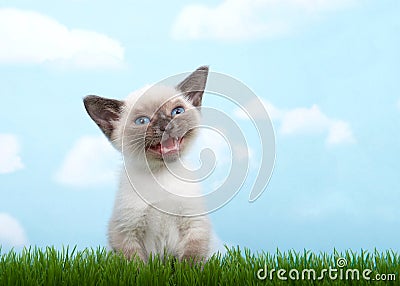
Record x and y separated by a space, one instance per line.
193 86
103 111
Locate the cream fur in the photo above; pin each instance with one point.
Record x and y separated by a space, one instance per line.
137 228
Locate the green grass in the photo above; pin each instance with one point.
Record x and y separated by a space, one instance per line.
49 266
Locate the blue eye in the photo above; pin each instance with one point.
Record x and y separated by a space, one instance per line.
142 120
177 110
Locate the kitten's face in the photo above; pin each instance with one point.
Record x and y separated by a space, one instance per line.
160 125
157 124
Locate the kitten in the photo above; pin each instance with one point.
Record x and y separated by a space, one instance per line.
152 128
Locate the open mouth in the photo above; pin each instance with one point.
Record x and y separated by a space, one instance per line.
170 146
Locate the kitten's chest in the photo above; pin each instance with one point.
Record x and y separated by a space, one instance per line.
161 191
164 181
162 233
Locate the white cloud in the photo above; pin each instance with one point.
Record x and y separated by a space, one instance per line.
92 161
339 132
30 37
12 233
247 19
304 120
10 160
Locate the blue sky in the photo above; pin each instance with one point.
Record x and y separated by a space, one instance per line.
327 71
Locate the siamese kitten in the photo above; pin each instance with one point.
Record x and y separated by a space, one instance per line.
152 128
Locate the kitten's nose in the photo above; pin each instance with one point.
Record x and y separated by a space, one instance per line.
162 124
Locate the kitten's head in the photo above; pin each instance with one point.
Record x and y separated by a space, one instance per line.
155 124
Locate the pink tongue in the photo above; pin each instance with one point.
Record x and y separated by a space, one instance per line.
169 145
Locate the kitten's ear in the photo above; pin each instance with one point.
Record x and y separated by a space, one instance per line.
104 112
193 86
